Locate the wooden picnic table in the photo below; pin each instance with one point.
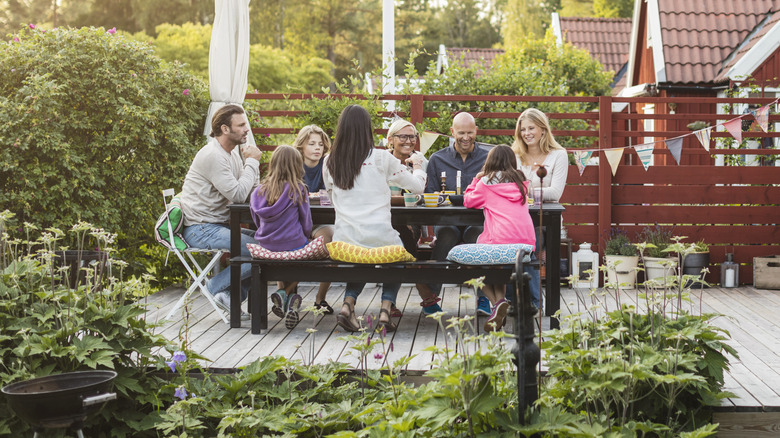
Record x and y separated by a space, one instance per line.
420 215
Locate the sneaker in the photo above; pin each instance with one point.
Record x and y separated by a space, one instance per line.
222 300
293 302
292 318
279 300
430 310
483 306
497 317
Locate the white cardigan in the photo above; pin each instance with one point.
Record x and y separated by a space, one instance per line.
363 212
557 164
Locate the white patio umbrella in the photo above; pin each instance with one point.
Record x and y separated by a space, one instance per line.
228 57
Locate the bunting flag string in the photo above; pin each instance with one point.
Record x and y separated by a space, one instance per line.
734 127
581 158
675 147
645 153
704 137
613 157
762 117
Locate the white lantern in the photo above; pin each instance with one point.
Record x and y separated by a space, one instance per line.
585 260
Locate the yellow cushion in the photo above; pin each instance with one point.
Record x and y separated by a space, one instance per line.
345 252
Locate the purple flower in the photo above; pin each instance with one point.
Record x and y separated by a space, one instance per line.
369 321
267 134
111 31
186 92
378 356
32 26
16 39
391 346
178 356
180 392
384 331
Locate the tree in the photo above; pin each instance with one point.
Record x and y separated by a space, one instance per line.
93 125
523 19
576 8
614 8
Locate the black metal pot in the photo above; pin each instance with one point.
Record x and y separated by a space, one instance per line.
693 264
60 400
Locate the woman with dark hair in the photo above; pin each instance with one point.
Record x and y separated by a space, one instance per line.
359 177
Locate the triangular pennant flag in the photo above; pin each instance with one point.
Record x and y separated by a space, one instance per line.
426 140
485 146
581 159
734 126
762 117
704 137
645 153
613 156
675 147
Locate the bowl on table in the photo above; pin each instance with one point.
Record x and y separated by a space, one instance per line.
456 200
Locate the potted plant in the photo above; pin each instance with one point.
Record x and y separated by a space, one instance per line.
695 261
621 259
655 259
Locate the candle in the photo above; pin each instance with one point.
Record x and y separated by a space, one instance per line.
729 278
457 182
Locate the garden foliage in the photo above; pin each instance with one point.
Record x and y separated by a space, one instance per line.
93 126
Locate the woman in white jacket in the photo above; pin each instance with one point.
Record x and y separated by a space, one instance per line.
359 177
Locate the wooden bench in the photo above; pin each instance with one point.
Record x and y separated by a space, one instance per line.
426 271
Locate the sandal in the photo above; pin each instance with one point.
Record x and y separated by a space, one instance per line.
396 312
325 307
388 325
345 321
431 305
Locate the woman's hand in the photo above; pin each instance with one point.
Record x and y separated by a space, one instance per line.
415 160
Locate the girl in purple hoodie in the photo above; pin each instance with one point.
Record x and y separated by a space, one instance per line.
280 209
500 189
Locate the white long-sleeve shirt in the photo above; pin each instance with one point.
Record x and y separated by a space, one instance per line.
363 212
557 164
216 179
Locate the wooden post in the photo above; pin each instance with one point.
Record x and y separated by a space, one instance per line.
605 173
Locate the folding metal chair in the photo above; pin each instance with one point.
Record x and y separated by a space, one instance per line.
198 274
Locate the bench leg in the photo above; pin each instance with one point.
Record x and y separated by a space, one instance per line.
258 301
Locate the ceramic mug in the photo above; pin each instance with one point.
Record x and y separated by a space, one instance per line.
411 200
433 199
447 194
395 191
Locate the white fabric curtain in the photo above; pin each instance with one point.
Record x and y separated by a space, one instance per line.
228 57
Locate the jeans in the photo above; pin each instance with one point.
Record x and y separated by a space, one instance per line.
447 236
389 291
217 236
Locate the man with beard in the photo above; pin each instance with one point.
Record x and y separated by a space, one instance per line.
220 176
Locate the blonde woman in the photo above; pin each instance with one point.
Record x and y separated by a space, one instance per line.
313 144
535 146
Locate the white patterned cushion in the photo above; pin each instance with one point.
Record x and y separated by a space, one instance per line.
315 250
489 254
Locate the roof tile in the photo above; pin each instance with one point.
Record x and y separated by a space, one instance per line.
606 39
699 36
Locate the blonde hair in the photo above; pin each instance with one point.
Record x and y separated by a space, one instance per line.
303 138
547 142
396 126
285 167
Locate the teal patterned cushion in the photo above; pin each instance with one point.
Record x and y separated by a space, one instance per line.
489 254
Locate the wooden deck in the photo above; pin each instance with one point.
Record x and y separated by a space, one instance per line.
752 317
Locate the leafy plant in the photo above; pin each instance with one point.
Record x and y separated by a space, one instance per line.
94 125
701 246
657 238
618 243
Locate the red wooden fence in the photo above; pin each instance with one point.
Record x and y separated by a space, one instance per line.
732 208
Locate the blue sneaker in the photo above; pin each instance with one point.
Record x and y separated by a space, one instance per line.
431 305
279 300
483 306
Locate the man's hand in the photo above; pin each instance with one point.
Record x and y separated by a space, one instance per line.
250 151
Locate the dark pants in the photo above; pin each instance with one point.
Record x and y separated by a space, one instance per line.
447 236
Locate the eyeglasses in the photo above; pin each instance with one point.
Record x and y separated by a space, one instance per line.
405 137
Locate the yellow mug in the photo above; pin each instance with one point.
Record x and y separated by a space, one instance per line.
433 199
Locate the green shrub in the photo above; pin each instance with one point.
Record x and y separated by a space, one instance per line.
93 126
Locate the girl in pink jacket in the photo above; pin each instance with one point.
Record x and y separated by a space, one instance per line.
500 189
